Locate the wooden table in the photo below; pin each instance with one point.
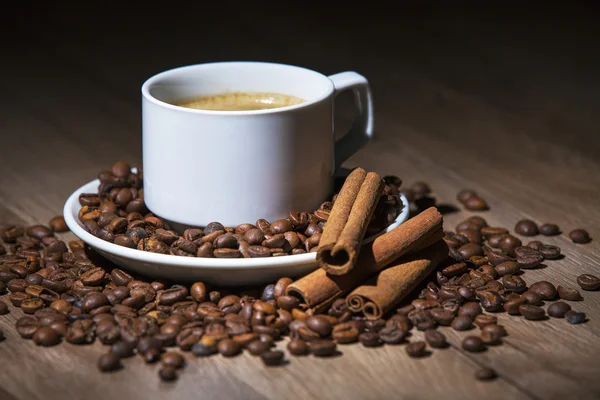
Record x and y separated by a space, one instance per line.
502 101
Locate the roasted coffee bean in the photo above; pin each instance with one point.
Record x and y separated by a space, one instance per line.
549 229
536 244
319 324
567 293
172 295
259 251
588 282
495 240
119 294
473 344
388 335
369 339
298 347
27 326
455 269
281 286
485 374
441 316
579 236
153 245
198 292
490 300
508 268
16 298
492 334
532 298
205 347
462 323
38 231
46 336
485 319
558 309
528 257
530 312
473 236
489 231
229 348
213 227
514 283
544 289
526 227
549 252
109 362
123 349
58 224
167 374
435 339
288 302
281 226
347 333
471 309
3 308
476 203
257 347
512 306
465 194
227 253
322 347
16 285
469 250
416 349
94 300
272 357
496 257
29 306
574 317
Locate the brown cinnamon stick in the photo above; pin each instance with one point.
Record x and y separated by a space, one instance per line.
340 243
393 284
318 289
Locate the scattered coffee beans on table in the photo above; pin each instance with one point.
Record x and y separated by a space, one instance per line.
70 294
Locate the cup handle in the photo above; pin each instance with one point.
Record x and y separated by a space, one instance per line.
362 128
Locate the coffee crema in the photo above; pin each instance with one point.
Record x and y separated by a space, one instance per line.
241 101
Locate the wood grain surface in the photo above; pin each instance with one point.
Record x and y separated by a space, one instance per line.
503 100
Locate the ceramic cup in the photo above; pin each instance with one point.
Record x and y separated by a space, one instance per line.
238 166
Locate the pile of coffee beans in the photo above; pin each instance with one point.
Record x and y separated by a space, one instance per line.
117 214
69 293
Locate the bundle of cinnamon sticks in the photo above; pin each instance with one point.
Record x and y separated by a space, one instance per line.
376 276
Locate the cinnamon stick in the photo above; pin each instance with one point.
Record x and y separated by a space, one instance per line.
340 243
393 284
318 289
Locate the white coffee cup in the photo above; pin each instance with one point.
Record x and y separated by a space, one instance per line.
238 166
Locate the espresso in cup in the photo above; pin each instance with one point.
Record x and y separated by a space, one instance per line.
241 101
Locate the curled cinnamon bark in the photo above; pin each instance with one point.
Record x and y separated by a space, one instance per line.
340 243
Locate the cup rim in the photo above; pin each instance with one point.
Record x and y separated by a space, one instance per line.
147 85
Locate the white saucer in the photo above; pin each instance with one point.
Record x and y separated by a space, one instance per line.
217 271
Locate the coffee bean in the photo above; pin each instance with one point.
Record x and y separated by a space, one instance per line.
167 374
322 347
492 334
465 194
46 336
549 229
508 268
272 358
172 296
579 236
475 203
205 347
58 224
490 300
258 347
512 306
588 282
567 293
462 323
533 298
496 257
229 348
281 226
94 300
485 319
198 292
471 309
369 339
473 344
536 244
319 324
123 349
526 227
574 317
29 306
514 283
3 308
544 289
109 362
416 349
298 347
530 312
473 236
435 339
441 316
469 250
558 309
528 257
485 374
509 243
549 252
